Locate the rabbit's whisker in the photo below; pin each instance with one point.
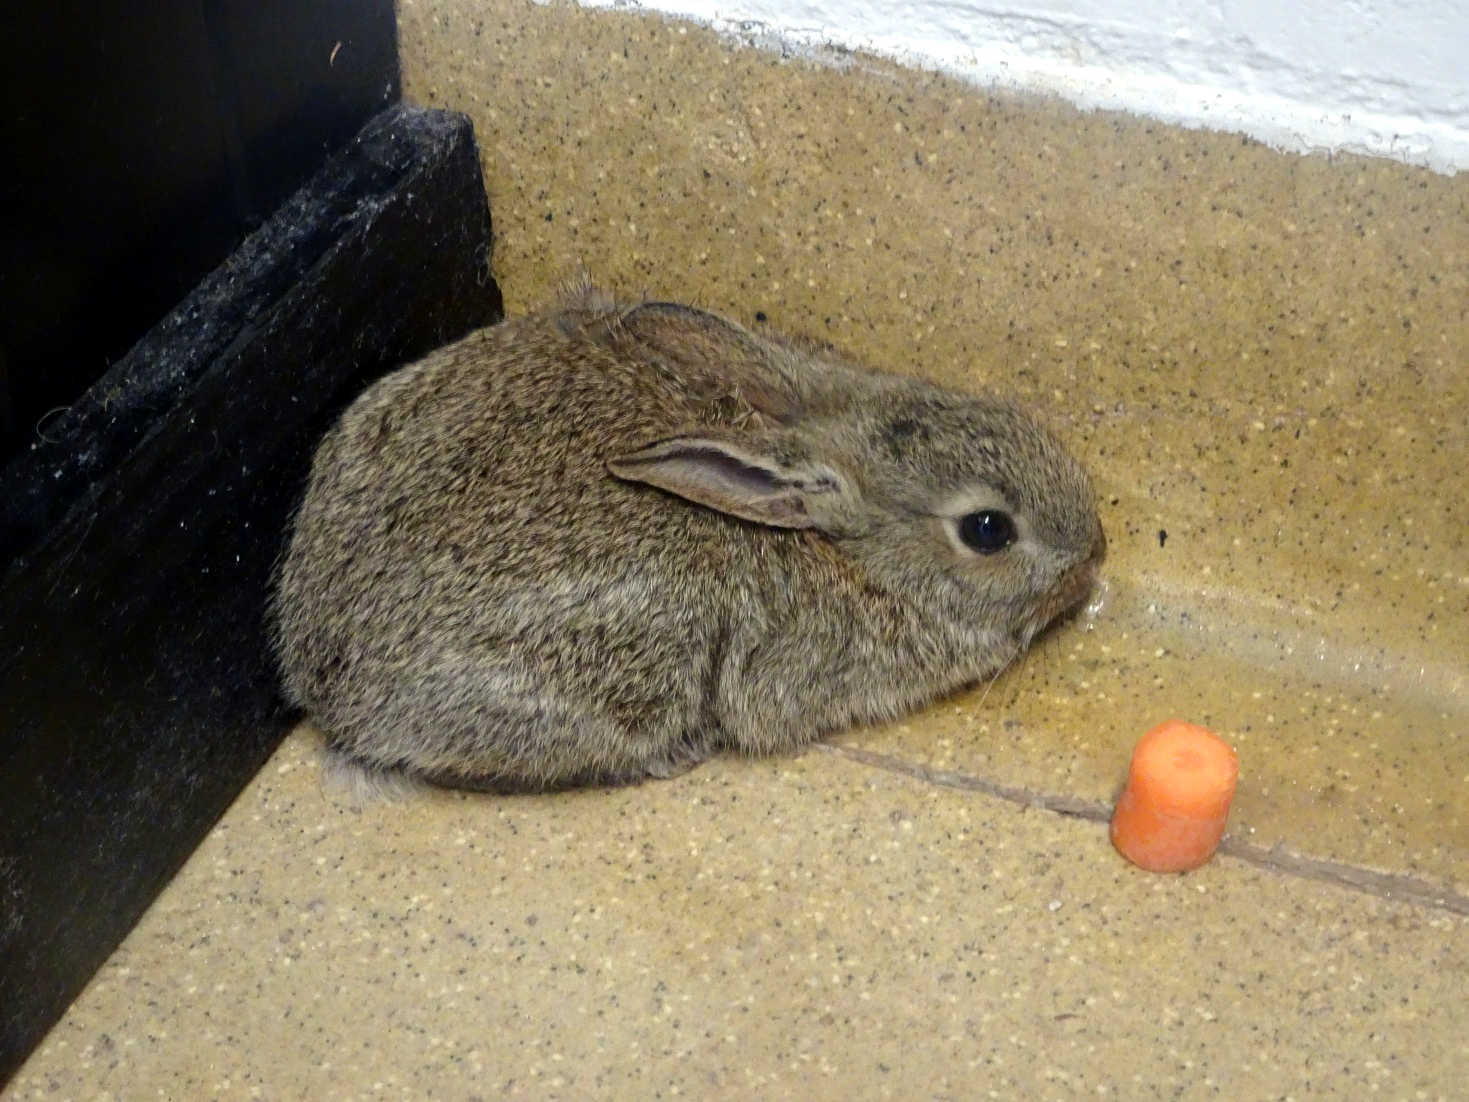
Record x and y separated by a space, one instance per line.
1009 661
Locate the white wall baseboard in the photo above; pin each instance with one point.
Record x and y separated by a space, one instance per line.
1380 77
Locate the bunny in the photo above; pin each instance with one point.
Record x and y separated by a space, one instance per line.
605 541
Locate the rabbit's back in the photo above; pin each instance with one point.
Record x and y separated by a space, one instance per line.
460 526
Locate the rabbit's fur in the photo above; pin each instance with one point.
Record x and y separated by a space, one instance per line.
604 541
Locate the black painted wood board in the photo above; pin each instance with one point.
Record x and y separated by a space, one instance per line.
139 144
137 691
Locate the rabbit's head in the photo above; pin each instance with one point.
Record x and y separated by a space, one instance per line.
976 506
964 505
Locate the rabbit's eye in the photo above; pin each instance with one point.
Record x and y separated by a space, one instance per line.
987 531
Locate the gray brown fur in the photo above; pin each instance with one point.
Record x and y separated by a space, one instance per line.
500 577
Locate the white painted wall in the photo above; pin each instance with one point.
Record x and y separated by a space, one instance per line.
1386 77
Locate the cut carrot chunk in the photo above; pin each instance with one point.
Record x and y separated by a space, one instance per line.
1171 815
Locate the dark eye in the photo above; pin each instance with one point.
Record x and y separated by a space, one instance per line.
987 531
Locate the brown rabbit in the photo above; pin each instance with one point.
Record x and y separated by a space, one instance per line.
605 541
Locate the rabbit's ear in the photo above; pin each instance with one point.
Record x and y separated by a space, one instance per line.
741 482
689 332
697 340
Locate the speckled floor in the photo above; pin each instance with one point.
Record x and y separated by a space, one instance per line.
1265 357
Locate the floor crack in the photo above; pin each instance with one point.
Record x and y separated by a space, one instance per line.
1393 887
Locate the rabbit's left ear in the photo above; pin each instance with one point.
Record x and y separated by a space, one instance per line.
696 345
742 482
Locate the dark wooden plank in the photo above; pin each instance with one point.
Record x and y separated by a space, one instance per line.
137 695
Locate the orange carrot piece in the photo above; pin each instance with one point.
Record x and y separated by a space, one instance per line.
1171 815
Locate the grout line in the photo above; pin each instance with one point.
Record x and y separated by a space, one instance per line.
1392 887
1073 806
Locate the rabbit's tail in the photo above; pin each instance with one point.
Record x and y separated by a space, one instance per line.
353 783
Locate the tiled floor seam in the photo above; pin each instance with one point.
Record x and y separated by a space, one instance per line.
1392 887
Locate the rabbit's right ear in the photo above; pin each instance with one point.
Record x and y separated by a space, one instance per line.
742 482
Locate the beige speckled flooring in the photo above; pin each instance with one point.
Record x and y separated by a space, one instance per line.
1265 356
